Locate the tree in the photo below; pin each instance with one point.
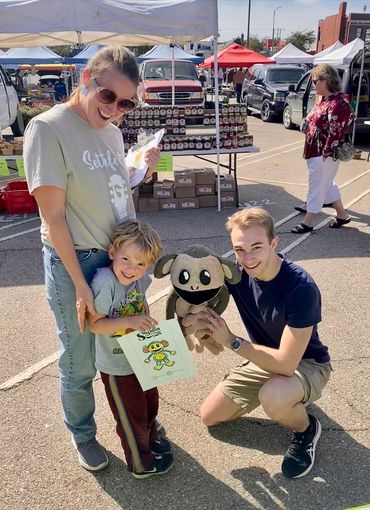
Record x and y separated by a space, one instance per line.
302 40
256 44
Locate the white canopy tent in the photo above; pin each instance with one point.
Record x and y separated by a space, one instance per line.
336 46
292 55
342 56
126 22
57 22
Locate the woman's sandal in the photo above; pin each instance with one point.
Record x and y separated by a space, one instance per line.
338 222
301 229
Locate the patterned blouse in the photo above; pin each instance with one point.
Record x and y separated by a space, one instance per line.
326 126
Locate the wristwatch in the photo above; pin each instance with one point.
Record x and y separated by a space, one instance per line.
236 344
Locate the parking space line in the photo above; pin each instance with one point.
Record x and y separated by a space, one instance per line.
27 374
19 234
269 150
19 223
267 157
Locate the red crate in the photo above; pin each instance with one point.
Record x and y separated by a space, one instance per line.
2 203
17 198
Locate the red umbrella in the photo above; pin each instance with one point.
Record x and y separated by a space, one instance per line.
236 56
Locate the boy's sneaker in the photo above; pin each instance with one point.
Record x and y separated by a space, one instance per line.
162 464
91 455
161 445
300 456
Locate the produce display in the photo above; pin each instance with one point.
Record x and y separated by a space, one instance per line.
14 147
178 120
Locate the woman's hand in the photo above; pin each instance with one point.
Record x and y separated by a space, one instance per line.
84 304
151 158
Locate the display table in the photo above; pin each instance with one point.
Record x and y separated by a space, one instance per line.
231 166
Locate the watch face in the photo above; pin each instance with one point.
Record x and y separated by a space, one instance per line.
236 344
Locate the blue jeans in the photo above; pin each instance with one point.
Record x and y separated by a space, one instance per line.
77 353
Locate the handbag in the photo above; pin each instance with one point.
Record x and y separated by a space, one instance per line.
344 151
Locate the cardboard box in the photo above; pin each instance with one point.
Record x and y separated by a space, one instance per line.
228 199
184 178
164 189
189 203
204 189
146 189
227 183
168 204
208 201
185 192
204 176
148 204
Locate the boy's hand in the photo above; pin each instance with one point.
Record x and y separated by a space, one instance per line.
141 322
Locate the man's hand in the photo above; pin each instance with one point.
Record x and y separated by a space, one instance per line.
200 325
218 329
84 304
151 158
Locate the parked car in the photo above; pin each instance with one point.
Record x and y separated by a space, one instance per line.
10 114
266 93
156 83
302 96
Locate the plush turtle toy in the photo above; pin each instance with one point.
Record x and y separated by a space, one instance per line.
198 277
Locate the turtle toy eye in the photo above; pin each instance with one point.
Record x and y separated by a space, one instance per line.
205 277
184 277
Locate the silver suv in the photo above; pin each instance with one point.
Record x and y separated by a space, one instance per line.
10 114
302 96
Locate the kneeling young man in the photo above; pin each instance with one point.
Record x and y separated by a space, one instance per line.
286 364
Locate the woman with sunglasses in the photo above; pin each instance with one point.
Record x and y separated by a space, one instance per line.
325 128
75 167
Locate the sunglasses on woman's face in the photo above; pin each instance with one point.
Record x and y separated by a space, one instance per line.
107 96
317 79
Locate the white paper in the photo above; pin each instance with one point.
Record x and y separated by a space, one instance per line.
135 159
158 356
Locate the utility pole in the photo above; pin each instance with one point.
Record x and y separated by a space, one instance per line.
249 21
273 29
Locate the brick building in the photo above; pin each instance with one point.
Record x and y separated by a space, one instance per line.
343 28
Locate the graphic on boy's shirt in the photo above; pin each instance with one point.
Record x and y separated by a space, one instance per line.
158 353
134 305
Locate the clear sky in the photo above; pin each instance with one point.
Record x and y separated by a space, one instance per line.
292 15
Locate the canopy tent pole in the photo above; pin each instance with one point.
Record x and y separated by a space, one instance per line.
358 93
217 113
172 46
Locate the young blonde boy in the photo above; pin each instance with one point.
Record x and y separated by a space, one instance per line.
121 307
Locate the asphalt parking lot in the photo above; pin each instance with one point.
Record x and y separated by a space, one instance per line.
233 466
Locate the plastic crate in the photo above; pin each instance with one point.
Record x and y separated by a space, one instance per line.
17 198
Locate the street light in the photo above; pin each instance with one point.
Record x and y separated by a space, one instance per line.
273 29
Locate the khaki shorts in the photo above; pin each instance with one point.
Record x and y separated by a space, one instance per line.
243 383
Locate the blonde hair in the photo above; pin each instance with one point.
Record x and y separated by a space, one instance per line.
143 235
330 75
108 58
254 216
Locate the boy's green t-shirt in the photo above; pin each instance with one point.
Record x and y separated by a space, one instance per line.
63 150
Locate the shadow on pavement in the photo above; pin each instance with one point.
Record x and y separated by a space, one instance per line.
338 480
188 486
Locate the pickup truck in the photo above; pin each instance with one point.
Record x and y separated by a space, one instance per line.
156 83
10 114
